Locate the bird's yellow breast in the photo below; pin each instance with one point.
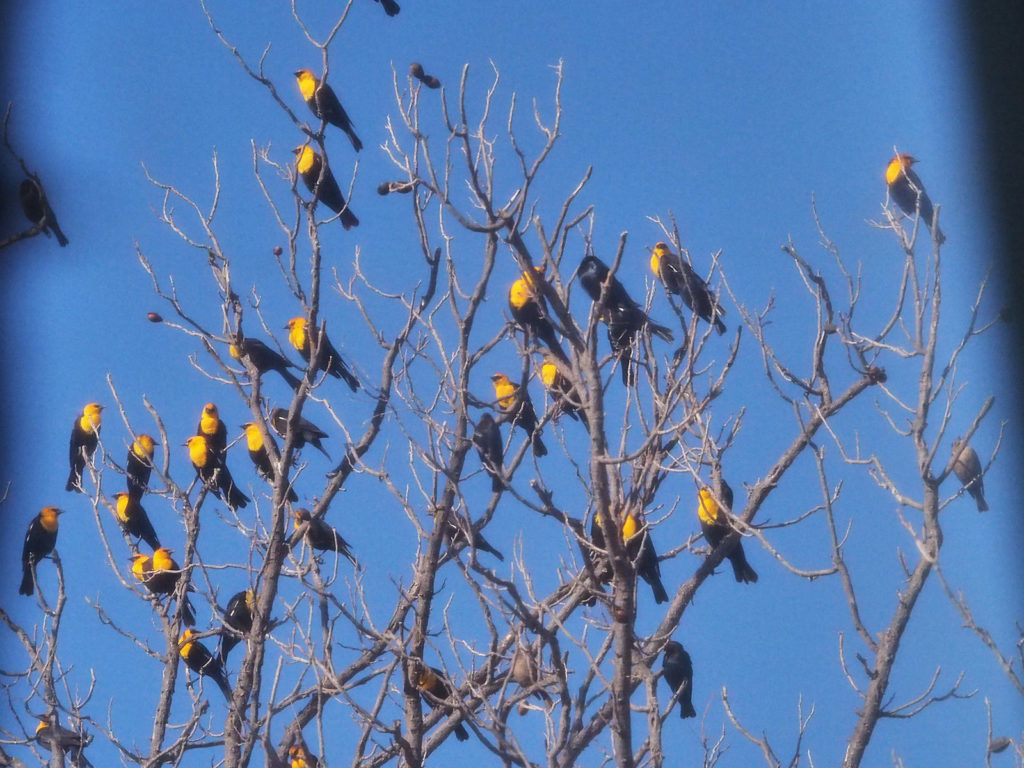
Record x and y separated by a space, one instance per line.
297 332
549 374
253 437
91 417
893 171
307 83
122 506
707 510
143 447
630 526
198 451
306 159
48 519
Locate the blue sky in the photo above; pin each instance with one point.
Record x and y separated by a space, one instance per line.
727 117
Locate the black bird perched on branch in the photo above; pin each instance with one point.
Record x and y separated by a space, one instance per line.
309 164
214 473
139 465
906 189
260 458
238 617
305 431
85 436
680 279
515 401
57 738
134 520
321 536
679 675
623 316
324 104
328 359
456 531
716 527
639 549
40 539
198 658
264 359
38 211
487 439
967 468
530 311
435 691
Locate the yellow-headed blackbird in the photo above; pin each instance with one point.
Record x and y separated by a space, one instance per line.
264 359
967 468
680 279
525 673
237 616
322 536
214 473
530 311
565 396
84 439
300 757
328 359
416 70
309 165
435 691
715 526
160 575
305 431
214 430
139 465
391 8
907 190
38 211
639 549
134 520
55 738
487 439
260 457
624 317
198 658
515 401
324 104
679 675
40 539
457 534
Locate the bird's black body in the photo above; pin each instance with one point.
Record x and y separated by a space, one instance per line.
264 359
679 675
487 439
305 431
38 211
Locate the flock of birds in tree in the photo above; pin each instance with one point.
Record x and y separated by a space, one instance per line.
626 322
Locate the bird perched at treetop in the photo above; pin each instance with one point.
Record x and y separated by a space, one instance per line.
906 189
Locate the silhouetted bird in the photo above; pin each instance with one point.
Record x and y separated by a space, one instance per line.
487 439
416 70
237 616
321 536
679 675
264 359
623 316
38 211
305 431
391 8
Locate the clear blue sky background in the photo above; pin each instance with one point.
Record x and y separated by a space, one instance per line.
728 116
